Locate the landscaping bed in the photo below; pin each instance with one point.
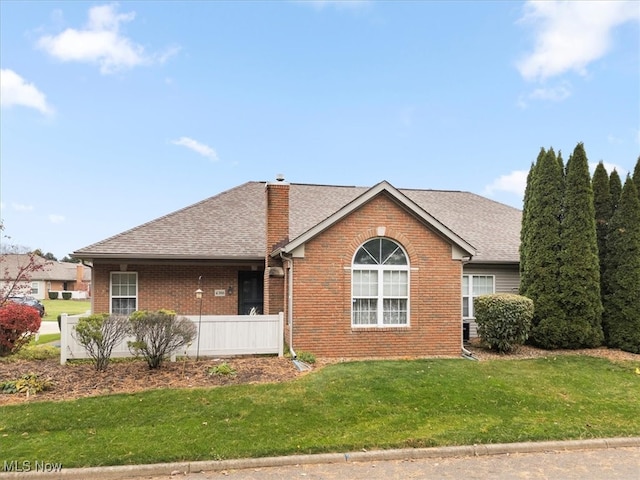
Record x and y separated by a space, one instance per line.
79 379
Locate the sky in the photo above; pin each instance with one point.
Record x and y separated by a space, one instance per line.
115 114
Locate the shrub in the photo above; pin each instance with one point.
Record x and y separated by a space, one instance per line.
66 295
53 295
224 369
18 323
99 333
504 320
158 334
29 383
306 357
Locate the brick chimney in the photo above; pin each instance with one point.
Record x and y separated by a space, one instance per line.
277 213
277 235
79 276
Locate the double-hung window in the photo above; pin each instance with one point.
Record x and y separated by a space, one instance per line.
124 292
474 286
380 285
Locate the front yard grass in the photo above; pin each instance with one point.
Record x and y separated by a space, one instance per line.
53 308
340 408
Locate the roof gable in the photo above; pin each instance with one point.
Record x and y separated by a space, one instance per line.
367 196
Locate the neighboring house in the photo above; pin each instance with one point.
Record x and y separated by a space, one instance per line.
52 277
358 271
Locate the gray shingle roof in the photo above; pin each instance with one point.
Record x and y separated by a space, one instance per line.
12 264
231 225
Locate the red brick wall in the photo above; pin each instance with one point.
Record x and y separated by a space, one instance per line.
277 221
322 289
173 287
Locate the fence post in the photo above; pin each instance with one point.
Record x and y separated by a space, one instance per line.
280 334
64 341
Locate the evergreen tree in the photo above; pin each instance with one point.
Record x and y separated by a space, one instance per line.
603 212
579 279
615 188
636 176
524 229
621 317
541 251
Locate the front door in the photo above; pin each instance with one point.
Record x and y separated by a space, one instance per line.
250 292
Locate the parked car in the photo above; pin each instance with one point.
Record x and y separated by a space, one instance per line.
26 300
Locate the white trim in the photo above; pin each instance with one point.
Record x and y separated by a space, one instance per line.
367 196
111 297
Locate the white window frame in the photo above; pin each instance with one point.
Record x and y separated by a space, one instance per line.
35 288
113 297
470 294
377 295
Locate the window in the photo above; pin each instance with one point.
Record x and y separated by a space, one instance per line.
124 292
35 288
473 286
380 285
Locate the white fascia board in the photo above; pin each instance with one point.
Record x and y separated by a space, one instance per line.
384 186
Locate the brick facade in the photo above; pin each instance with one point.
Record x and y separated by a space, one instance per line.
322 289
173 287
321 283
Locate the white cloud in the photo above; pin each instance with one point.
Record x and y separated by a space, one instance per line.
101 42
53 218
569 35
609 167
14 90
201 148
338 4
21 207
514 182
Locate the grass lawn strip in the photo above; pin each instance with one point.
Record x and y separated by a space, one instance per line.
342 407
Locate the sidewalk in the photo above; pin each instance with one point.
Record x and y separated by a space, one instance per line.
615 458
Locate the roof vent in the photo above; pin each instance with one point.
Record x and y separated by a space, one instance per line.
280 177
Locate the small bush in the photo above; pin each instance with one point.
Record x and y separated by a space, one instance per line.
18 323
99 333
224 369
29 383
37 352
53 295
66 295
158 334
504 320
306 357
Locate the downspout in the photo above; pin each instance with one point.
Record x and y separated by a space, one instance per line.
289 301
466 353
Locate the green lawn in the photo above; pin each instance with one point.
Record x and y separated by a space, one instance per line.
342 407
53 308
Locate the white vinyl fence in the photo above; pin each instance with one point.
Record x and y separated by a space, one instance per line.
220 335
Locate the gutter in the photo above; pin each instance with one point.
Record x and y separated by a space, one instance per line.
288 259
466 353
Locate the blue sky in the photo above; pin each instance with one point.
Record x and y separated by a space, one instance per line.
114 114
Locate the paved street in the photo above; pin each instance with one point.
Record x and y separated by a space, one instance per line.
599 464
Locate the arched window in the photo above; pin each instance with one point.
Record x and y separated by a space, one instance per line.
380 284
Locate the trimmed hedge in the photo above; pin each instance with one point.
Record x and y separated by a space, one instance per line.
504 320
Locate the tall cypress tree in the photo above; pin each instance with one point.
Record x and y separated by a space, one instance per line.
579 279
540 282
615 188
636 176
524 228
603 212
621 317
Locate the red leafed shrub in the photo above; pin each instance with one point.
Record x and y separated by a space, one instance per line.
17 324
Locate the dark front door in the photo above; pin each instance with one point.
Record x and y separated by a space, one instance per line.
250 292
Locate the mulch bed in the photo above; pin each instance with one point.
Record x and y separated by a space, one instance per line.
80 379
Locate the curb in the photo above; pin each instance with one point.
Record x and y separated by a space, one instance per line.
158 469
